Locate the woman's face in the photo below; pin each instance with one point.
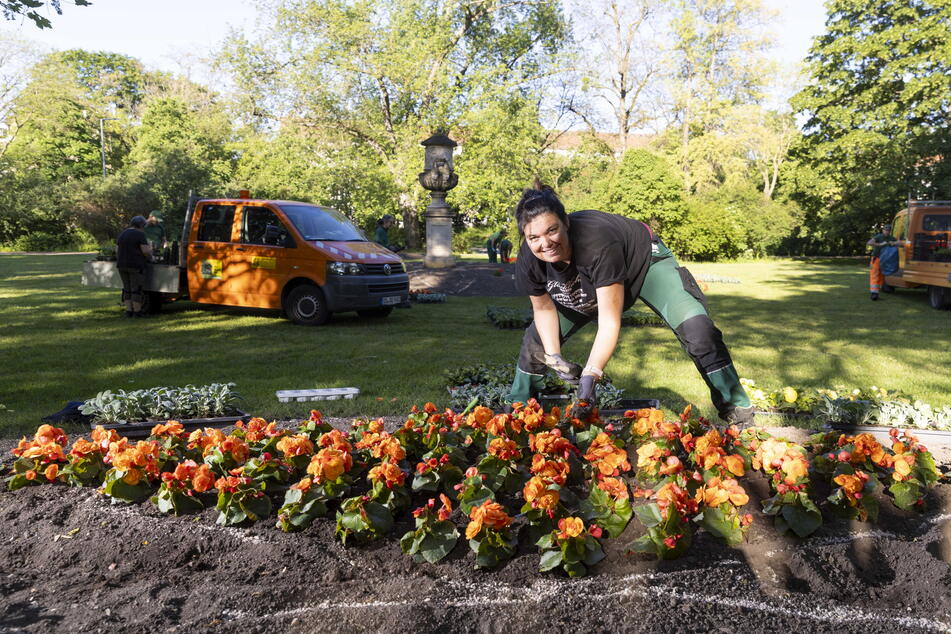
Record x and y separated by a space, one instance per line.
547 237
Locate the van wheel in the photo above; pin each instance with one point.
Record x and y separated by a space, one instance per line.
939 297
307 306
376 313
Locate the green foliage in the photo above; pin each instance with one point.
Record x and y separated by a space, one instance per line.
644 187
423 66
27 8
877 127
162 403
710 232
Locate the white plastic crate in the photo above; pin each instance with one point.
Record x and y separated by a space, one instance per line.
319 394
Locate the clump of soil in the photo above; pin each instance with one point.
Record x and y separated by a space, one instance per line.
70 560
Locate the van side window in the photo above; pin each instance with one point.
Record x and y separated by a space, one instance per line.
936 222
901 226
215 223
261 225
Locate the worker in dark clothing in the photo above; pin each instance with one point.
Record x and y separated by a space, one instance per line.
382 234
505 250
876 279
132 255
592 265
492 245
155 231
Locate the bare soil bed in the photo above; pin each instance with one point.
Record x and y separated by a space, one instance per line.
70 561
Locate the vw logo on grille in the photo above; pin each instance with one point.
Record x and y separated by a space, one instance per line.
387 269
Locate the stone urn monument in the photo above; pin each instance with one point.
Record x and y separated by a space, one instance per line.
438 177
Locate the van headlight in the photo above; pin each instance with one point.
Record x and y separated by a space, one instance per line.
346 268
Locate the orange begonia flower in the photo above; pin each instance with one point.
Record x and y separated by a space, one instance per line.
104 437
504 449
382 444
607 457
336 439
30 475
329 464
671 466
548 442
51 472
537 493
795 467
47 434
648 454
304 485
387 473
446 511
770 453
615 487
489 514
479 417
203 479
551 470
851 484
170 428
903 464
83 447
734 465
570 527
299 445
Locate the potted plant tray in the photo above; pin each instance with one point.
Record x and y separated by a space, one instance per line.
142 429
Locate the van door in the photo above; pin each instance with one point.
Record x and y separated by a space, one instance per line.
261 261
209 252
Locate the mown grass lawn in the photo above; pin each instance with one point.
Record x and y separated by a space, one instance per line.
789 322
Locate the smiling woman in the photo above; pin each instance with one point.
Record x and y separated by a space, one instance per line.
593 265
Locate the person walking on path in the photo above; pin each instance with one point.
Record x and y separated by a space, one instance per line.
132 256
876 279
592 265
492 245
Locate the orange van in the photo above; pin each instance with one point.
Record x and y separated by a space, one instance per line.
924 255
303 259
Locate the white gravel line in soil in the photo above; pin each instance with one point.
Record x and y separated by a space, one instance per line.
481 595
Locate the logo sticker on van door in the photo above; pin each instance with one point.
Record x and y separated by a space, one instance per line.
258 262
211 269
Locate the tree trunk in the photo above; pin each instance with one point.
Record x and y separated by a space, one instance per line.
410 221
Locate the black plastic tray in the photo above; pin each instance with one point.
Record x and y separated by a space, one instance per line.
144 429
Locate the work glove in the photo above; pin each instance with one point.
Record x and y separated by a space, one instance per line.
585 398
566 370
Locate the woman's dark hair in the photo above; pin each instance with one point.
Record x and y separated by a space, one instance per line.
384 219
538 200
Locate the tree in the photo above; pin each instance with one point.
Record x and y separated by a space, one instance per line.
12 8
16 58
644 187
57 113
387 74
718 62
878 116
620 60
764 137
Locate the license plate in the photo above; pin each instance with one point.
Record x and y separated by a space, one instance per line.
391 301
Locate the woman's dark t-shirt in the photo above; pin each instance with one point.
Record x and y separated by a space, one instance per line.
605 249
129 251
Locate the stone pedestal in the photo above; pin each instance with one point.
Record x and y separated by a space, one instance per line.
438 233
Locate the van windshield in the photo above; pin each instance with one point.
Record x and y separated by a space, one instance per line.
318 223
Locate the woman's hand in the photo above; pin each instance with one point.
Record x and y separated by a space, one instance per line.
566 370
